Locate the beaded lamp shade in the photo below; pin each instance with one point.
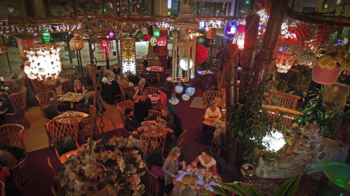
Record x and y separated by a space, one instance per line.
284 62
146 37
77 42
201 54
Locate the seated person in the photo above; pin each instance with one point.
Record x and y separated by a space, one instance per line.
167 118
131 123
142 106
7 159
58 88
79 87
21 74
6 106
206 160
133 94
163 98
211 114
3 91
142 82
108 76
117 69
88 98
185 189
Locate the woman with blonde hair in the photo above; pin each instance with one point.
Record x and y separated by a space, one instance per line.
186 189
170 168
142 106
79 87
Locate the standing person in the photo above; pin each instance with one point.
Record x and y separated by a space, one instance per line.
185 189
143 106
142 82
79 87
170 168
163 98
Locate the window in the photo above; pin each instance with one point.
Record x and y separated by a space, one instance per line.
300 4
243 7
194 7
206 8
139 7
60 8
124 7
174 8
9 8
330 3
220 9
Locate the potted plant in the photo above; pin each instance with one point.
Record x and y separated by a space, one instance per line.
250 123
329 66
244 189
327 115
112 168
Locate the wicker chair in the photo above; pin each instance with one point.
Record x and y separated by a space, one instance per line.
150 143
210 96
39 86
19 104
155 113
122 106
45 100
54 172
86 124
281 99
15 85
152 90
123 88
152 186
12 135
61 127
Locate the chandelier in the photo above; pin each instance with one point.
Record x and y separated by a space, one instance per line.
43 62
284 62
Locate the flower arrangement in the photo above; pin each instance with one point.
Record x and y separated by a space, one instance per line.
334 57
113 168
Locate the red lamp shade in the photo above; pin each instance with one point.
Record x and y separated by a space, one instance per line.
201 54
22 43
239 37
146 37
161 41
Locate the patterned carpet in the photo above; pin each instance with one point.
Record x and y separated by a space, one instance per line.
307 184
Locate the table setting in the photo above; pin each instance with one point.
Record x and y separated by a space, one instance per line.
204 179
154 98
154 129
78 115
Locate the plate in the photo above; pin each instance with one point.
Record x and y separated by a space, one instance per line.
200 182
189 170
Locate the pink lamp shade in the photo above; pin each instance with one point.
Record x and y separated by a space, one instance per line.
325 76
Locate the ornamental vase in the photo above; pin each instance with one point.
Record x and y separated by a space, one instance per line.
325 76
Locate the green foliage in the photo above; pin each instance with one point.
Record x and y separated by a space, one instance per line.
270 155
250 123
328 116
244 189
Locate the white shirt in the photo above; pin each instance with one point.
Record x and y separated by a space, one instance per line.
142 83
106 80
210 114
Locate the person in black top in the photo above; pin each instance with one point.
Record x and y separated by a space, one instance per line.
6 106
142 106
116 69
131 123
167 118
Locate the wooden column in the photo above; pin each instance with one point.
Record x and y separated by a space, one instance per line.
251 33
231 75
278 10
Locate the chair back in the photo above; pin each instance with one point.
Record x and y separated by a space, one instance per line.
124 82
18 100
12 135
39 86
122 106
61 127
142 69
152 90
281 99
155 113
89 123
92 70
152 187
287 118
181 140
210 96
157 64
151 143
46 99
15 85
123 88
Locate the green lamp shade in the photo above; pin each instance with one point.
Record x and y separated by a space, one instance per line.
156 32
46 36
139 35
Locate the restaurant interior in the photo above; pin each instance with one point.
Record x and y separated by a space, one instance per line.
170 97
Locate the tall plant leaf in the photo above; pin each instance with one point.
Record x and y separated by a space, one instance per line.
289 188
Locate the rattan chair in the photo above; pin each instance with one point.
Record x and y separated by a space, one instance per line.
155 113
45 100
62 127
150 143
54 172
86 124
123 88
152 90
15 85
13 135
122 106
152 186
39 86
210 96
18 101
281 99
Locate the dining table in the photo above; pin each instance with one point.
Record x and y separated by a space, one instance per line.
156 70
78 115
154 98
201 182
70 97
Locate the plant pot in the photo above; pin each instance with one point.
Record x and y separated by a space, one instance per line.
247 169
325 76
